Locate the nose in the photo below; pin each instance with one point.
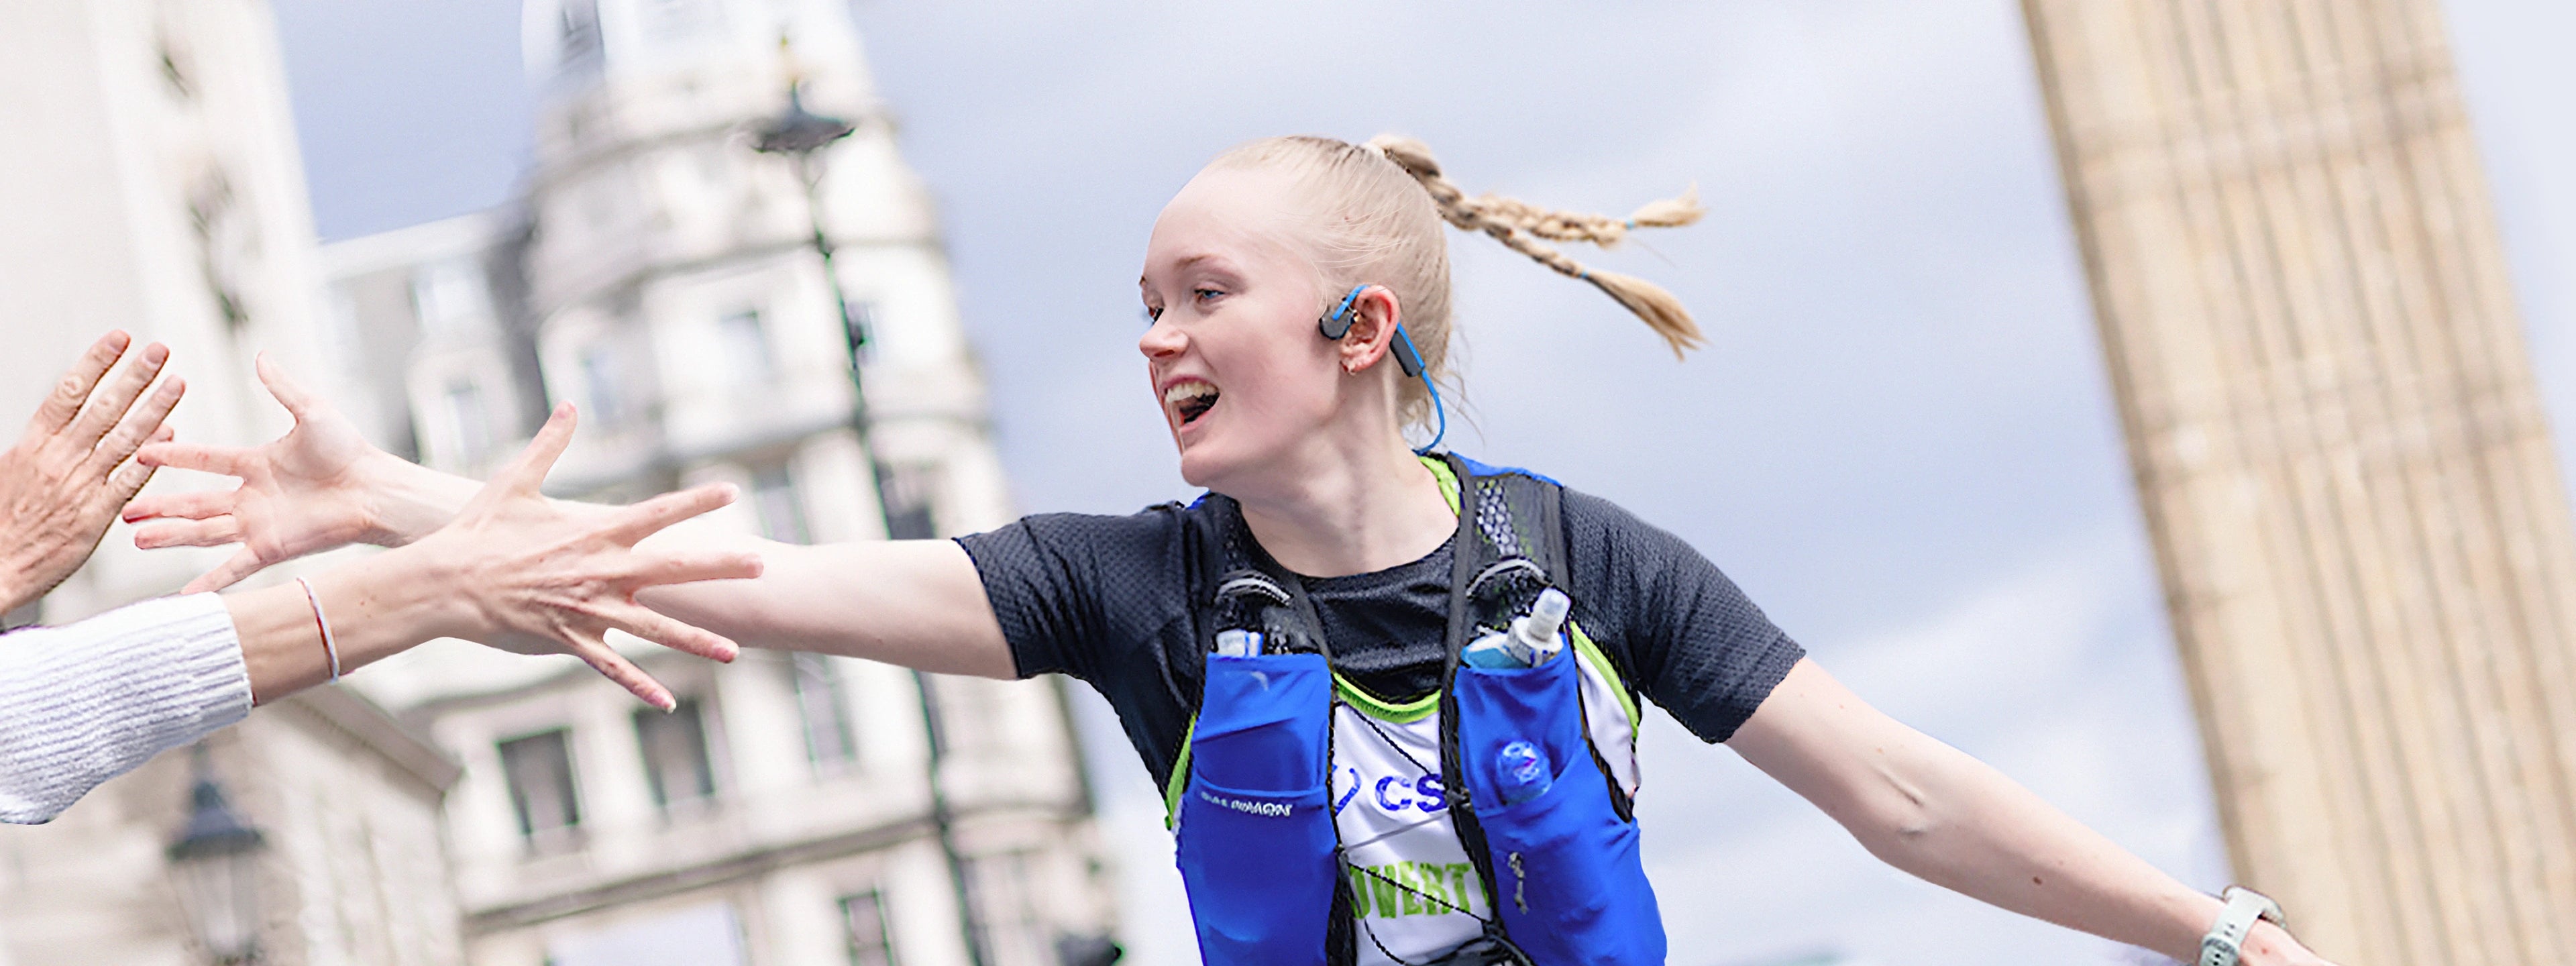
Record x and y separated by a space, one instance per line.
1163 340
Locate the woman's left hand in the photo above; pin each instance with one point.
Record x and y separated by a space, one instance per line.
521 573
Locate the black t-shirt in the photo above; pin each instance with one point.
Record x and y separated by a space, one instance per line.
1106 599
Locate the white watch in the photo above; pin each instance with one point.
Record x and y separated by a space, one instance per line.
2226 938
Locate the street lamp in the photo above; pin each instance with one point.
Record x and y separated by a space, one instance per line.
802 135
216 862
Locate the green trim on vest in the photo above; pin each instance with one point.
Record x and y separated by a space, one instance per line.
1600 662
1448 480
1180 775
1418 708
1382 709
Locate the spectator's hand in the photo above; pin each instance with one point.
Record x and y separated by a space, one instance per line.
62 484
311 490
533 579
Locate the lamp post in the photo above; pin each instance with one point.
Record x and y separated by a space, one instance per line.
216 862
801 135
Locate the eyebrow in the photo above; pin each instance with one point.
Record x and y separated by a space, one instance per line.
1186 264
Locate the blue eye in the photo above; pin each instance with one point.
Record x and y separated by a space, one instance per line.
1205 294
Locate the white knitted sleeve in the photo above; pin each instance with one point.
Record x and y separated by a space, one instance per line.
85 703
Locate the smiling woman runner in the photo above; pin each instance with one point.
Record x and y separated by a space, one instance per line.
1350 663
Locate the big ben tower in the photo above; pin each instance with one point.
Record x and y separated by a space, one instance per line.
2361 529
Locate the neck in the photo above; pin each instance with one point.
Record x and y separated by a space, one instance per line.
1372 507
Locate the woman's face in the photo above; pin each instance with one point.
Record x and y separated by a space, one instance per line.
1241 372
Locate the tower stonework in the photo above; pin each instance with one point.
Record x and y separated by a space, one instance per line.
2357 517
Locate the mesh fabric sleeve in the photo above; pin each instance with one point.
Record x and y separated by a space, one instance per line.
1075 592
1685 634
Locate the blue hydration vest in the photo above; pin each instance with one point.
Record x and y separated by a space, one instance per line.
1294 853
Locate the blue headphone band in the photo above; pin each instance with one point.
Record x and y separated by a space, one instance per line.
1405 355
1338 324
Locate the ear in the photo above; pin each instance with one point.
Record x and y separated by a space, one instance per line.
1372 337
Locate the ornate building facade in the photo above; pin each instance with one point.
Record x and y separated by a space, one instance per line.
663 275
660 273
149 171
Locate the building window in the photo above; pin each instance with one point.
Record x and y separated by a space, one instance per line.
781 508
539 769
705 934
472 430
746 348
1006 908
675 754
863 920
448 296
829 743
908 492
599 385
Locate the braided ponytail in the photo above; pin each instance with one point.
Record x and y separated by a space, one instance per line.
1367 221
1521 226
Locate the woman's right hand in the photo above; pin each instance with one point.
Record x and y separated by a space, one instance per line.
518 572
319 487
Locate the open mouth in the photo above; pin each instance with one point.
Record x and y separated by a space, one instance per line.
1191 399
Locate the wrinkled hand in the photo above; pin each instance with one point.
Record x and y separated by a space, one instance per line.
302 493
62 484
535 579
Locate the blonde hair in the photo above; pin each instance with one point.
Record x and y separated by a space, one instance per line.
1381 205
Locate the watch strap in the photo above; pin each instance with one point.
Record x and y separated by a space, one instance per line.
2226 938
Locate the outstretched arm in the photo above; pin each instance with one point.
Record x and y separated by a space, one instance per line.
1925 807
83 703
916 603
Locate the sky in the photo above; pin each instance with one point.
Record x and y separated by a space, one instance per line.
1900 440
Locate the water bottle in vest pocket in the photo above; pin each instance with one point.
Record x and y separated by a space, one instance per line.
1256 833
1567 877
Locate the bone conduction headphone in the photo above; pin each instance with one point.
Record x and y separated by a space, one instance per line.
1338 324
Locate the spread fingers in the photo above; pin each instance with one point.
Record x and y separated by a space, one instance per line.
192 505
651 625
686 567
297 399
527 473
117 394
210 532
140 425
616 668
227 460
64 402
651 516
127 481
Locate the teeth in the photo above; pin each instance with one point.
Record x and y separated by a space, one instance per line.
1188 390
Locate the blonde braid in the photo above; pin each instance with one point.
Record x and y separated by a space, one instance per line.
1520 225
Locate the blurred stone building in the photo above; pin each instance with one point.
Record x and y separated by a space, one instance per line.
662 275
150 175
